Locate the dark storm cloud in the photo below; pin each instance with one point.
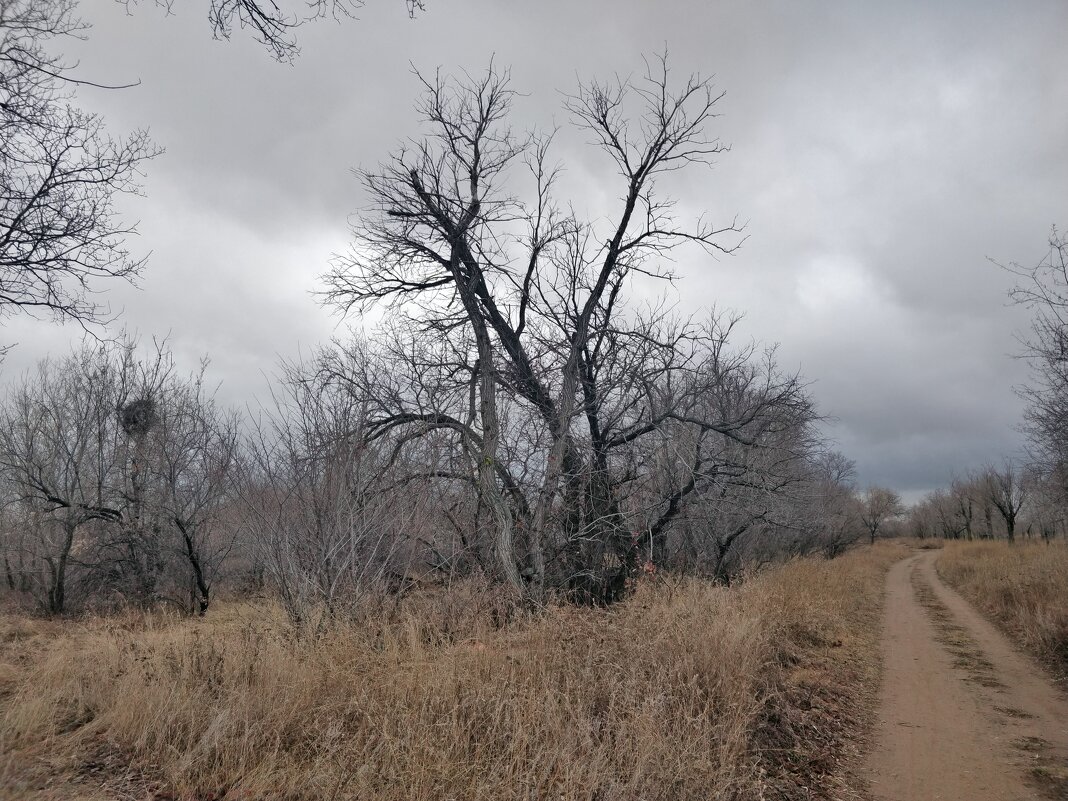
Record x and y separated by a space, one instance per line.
881 152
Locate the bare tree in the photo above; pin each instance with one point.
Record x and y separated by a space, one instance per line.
879 505
194 457
311 490
15 542
834 509
57 451
964 496
533 300
60 173
1008 491
1047 506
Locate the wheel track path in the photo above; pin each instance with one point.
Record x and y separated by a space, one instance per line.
963 715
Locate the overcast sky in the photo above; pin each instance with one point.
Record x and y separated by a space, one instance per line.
881 152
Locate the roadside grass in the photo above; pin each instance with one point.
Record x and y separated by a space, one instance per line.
1022 587
687 690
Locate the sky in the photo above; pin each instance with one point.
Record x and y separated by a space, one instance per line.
883 156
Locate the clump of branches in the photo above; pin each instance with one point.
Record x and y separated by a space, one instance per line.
274 25
320 516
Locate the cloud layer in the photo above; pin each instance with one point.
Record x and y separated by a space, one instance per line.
880 152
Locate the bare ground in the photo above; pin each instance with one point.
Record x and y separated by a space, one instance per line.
963 715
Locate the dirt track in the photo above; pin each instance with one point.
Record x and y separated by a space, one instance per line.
963 716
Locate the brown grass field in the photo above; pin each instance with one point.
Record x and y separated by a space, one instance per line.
1022 587
686 690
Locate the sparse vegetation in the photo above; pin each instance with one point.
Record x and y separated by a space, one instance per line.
685 690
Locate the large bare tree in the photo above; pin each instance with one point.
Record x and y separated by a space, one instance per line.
545 367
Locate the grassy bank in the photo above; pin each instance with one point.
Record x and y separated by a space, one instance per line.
1022 587
687 690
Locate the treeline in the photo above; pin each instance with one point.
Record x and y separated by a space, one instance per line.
1004 502
124 481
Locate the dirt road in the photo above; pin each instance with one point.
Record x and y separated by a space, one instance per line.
963 715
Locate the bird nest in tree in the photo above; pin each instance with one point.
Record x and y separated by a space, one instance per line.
138 416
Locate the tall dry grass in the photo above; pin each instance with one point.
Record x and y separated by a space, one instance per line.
1023 587
686 690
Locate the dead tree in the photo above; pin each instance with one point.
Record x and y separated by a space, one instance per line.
1043 288
119 466
315 496
963 495
192 470
54 427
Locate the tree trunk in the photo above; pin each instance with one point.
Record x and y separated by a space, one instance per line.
504 540
201 591
57 591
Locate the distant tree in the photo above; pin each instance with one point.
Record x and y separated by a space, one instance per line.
878 505
60 174
836 507
964 495
1007 490
1047 506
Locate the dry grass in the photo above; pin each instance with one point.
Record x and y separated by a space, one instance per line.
685 691
1022 587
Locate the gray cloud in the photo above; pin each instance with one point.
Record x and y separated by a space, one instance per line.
881 152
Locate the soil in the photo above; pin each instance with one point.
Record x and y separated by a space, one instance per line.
963 715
